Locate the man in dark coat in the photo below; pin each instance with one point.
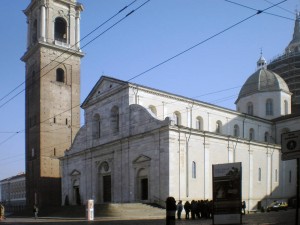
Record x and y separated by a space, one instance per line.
187 208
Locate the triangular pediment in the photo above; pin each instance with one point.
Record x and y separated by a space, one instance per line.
142 158
104 86
75 173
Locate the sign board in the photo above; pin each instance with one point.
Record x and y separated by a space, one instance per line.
290 145
227 193
90 210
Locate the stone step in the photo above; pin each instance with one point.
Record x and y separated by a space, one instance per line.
127 210
132 210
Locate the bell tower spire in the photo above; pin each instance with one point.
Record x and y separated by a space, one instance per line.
52 98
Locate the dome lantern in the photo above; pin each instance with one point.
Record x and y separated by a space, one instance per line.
261 63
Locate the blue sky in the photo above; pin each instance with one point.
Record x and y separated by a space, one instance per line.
156 32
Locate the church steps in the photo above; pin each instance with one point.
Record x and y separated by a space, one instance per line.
115 210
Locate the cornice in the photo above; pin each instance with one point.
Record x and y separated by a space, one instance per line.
101 97
223 137
114 142
39 45
194 102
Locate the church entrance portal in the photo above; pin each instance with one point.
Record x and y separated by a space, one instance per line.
76 193
142 166
142 185
144 189
107 188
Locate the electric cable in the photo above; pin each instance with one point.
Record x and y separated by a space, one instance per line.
215 101
71 48
280 7
205 40
272 14
169 59
258 12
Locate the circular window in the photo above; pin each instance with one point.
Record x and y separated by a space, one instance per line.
105 166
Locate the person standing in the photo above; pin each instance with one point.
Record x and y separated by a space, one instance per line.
193 209
243 207
187 208
35 211
179 210
170 211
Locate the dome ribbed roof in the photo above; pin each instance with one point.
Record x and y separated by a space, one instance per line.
263 80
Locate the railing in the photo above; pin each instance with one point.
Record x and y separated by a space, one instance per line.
283 56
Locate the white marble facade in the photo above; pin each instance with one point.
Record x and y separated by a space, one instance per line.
139 144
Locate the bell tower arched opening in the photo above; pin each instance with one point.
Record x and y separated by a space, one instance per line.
60 29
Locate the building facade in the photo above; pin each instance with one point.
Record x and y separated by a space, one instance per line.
287 66
139 144
13 193
52 80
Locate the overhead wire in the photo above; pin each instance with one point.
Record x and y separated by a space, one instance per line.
128 14
198 111
67 51
205 110
280 7
169 59
191 99
248 7
205 40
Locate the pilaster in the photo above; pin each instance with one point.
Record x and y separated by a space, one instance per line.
250 182
207 169
43 22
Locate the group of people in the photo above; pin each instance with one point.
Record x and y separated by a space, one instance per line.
195 209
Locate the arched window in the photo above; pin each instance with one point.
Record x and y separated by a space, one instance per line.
218 127
266 137
114 115
250 108
269 107
236 130
251 134
177 118
60 75
193 169
286 107
60 29
153 109
96 126
259 174
199 123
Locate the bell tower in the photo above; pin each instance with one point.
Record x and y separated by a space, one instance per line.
52 98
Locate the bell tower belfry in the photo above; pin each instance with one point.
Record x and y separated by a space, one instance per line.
52 98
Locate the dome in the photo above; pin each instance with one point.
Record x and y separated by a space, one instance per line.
262 80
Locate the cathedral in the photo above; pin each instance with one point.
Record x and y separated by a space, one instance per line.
138 143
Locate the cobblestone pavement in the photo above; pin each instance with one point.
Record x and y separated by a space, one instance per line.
272 218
